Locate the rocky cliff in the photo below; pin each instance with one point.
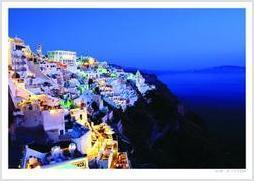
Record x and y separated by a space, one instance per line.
162 134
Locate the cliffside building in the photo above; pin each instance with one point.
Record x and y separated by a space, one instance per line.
67 58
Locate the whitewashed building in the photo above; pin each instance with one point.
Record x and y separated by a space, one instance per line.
67 58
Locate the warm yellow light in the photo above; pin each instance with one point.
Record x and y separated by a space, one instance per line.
30 74
34 97
91 61
52 111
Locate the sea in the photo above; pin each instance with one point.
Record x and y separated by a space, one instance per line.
219 99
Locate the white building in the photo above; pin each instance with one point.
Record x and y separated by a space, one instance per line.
67 58
17 56
48 67
83 142
80 115
53 123
18 90
36 113
34 84
52 156
141 85
32 154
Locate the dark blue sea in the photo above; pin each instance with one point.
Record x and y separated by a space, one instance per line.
219 99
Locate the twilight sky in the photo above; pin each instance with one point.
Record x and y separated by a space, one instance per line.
143 38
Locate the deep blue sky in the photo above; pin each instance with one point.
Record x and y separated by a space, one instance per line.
143 38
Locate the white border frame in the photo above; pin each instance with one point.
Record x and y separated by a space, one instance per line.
131 173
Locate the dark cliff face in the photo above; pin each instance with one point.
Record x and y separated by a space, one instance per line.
162 134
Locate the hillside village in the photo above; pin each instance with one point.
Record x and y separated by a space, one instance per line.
73 99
